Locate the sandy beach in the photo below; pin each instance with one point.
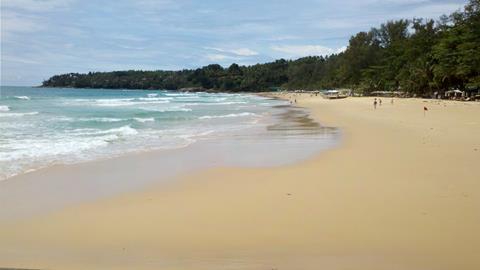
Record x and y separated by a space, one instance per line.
401 191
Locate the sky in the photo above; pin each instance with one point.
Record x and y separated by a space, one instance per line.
41 38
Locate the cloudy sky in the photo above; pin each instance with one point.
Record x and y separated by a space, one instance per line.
40 38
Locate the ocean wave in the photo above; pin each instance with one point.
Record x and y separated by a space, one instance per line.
101 119
113 102
18 114
129 102
231 103
155 98
42 148
125 130
143 120
122 131
227 115
216 103
173 109
117 102
87 126
22 97
180 95
188 97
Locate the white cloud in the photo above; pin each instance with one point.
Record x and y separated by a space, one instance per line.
244 52
220 57
339 23
238 52
433 11
7 58
36 5
13 22
404 2
155 6
22 16
293 51
281 38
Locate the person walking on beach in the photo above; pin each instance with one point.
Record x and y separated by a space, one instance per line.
375 103
379 102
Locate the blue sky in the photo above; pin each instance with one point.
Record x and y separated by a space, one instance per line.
40 38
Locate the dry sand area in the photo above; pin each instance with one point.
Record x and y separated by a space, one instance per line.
401 191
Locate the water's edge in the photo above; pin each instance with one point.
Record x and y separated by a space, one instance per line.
291 136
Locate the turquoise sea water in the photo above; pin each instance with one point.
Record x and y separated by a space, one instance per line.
44 126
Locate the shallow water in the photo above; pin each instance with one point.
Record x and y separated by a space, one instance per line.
220 130
45 126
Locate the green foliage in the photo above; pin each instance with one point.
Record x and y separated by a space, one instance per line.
417 56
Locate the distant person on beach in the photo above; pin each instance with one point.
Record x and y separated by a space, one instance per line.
391 101
379 102
375 103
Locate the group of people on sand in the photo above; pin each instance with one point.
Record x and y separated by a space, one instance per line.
379 102
292 99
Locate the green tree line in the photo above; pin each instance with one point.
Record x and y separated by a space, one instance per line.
419 56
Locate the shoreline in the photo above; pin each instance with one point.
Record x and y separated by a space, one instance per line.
400 192
36 193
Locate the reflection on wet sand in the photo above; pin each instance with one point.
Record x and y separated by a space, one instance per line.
296 121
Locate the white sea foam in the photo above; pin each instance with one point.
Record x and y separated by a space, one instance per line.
216 103
22 97
171 109
231 103
125 131
155 99
143 120
152 95
17 114
188 97
129 102
118 102
101 119
41 148
122 131
180 94
227 115
4 108
113 102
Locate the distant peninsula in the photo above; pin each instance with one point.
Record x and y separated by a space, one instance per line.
417 56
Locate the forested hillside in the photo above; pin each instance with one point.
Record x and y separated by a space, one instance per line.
417 56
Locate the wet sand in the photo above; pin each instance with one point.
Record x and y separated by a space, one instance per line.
400 192
286 135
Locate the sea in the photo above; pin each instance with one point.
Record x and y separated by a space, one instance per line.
40 127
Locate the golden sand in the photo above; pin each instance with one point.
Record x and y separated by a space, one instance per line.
402 191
